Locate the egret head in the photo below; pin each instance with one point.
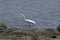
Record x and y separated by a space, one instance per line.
22 15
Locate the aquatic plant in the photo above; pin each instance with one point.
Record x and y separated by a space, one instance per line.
58 27
3 25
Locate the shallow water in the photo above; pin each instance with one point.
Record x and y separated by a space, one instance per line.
46 13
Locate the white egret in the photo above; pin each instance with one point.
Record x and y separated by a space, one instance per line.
30 22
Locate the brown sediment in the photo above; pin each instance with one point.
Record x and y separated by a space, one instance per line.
18 34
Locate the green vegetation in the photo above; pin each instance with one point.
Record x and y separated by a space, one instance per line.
58 27
3 25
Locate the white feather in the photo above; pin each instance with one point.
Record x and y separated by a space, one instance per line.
31 21
28 20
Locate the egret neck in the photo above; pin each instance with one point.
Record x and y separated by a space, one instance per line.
23 16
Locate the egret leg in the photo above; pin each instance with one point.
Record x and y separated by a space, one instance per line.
29 25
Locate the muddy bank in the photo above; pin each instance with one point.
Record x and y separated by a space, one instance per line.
19 34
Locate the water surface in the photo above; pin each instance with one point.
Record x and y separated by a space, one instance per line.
46 13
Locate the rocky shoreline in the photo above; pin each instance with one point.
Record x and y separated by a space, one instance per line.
19 34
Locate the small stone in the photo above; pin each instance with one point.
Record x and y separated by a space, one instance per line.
54 36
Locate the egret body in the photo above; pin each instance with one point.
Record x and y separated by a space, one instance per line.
30 22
